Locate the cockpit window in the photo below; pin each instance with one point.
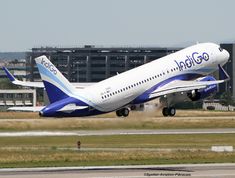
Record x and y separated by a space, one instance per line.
221 49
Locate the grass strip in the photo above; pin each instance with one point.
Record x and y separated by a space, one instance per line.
46 151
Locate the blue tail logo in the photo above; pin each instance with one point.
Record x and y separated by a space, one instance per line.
57 86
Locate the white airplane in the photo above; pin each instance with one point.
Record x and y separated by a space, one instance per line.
184 71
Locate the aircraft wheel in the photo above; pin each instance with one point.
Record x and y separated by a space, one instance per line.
165 111
119 113
122 112
125 112
171 111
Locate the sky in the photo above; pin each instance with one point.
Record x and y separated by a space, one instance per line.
25 24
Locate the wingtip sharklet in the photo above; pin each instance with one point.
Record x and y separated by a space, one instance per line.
9 75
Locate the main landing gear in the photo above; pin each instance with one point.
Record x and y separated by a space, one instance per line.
168 111
124 112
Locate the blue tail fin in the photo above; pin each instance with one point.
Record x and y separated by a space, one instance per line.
57 86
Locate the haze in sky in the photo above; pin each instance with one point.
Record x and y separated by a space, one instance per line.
66 23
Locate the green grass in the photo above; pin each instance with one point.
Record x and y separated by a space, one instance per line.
121 141
22 121
61 151
115 123
75 158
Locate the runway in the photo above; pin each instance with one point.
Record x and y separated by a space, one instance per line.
224 170
117 132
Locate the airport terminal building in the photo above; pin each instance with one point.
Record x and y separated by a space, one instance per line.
91 63
230 68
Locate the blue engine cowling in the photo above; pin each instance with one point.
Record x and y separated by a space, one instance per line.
195 95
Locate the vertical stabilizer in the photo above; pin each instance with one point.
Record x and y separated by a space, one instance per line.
57 86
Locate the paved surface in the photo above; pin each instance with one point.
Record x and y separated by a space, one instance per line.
116 132
180 170
219 117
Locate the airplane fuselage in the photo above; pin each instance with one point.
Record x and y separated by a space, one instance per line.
136 85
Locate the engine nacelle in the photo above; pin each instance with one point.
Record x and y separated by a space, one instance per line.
195 95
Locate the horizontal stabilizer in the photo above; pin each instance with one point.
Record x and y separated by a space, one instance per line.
26 108
72 107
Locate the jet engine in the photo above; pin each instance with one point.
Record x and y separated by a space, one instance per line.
198 94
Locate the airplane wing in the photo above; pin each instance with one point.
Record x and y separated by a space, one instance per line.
22 83
38 84
182 86
177 86
26 108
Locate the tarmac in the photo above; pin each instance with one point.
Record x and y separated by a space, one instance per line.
224 170
117 132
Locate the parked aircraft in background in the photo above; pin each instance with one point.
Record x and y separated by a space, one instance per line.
185 71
